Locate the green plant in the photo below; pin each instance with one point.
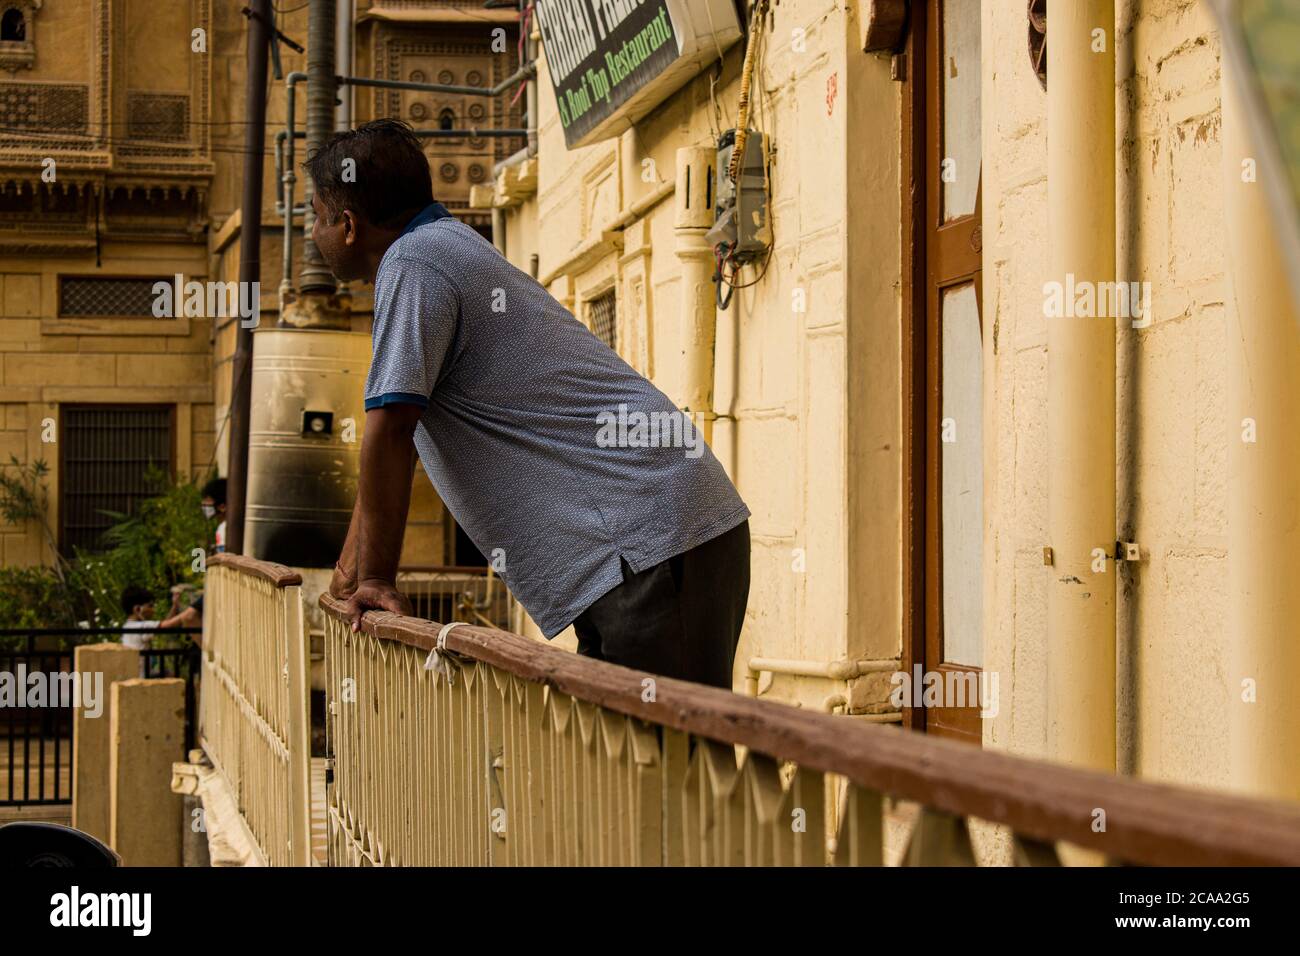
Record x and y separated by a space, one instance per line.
24 497
155 548
32 597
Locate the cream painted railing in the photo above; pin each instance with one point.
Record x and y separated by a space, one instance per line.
512 752
253 722
501 750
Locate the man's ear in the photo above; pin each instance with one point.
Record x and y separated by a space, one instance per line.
350 234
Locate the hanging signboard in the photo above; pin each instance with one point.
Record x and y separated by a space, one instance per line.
612 61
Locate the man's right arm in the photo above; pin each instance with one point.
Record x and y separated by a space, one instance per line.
344 581
416 311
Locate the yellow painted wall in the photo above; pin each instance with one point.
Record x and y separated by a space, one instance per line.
814 394
1172 696
42 371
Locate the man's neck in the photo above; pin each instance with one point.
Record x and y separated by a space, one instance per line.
383 241
386 237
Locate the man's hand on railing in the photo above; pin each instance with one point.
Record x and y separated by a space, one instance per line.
376 596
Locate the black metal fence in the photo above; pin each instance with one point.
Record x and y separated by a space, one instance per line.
39 696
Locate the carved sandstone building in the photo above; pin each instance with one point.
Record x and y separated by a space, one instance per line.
121 150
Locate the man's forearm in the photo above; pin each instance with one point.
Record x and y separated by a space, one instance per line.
383 499
347 563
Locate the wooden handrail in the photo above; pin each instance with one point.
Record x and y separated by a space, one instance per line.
1145 823
279 575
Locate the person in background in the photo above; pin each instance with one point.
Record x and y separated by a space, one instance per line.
191 616
137 605
214 506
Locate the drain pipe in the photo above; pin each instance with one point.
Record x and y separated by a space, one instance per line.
1081 391
321 89
288 179
530 91
694 216
1264 475
279 172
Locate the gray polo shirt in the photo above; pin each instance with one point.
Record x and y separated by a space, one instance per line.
553 454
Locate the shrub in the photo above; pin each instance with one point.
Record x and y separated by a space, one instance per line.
153 549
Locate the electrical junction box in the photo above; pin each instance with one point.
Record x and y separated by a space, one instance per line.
613 61
740 208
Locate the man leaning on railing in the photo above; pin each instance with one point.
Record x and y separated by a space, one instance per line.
595 497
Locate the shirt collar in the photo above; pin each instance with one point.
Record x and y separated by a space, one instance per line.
431 213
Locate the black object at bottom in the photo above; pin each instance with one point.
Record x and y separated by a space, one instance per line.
680 618
52 845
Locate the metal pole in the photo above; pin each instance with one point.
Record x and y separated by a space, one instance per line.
321 87
288 178
343 52
250 269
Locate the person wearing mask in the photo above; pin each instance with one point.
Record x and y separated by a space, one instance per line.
214 506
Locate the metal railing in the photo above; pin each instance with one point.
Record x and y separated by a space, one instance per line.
36 741
455 593
508 751
253 722
500 750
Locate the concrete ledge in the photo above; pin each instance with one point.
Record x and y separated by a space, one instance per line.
230 843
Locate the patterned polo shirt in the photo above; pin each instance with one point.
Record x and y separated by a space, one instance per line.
553 454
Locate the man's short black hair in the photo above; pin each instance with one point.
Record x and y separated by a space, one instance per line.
216 490
133 596
387 181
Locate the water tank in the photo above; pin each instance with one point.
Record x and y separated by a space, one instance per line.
304 443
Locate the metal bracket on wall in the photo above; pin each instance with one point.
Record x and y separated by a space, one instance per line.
1128 551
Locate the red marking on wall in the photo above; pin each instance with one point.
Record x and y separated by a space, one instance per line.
832 88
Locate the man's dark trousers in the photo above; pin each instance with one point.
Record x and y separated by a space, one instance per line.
680 618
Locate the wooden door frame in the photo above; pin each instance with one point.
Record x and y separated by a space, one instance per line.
912 215
921 200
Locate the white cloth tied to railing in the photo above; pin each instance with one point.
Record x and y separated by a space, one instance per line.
441 660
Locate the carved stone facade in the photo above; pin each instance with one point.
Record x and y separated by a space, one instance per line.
118 162
18 34
462 56
128 95
105 171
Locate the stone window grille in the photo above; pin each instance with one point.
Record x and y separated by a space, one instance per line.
107 297
602 316
108 454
